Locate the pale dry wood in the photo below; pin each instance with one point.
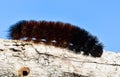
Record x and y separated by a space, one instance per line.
25 59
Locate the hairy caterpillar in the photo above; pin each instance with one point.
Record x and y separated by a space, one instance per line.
58 34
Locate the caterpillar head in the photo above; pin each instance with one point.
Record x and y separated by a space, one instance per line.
97 50
93 46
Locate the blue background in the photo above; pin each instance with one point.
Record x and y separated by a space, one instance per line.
99 17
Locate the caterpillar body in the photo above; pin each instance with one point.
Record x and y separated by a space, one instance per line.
59 34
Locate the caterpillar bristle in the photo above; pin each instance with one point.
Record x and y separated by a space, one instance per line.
58 34
15 30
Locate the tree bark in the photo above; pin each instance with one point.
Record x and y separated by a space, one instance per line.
26 59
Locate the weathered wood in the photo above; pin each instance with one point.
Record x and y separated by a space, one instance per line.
23 59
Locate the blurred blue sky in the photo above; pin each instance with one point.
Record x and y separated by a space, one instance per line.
99 17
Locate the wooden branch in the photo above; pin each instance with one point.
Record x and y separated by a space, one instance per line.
23 59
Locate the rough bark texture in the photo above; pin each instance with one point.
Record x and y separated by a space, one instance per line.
23 59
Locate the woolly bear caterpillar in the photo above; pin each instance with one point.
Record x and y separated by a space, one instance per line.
58 34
